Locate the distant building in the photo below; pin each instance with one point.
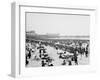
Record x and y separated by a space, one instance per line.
31 32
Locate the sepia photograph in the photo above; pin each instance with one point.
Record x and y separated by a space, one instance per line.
56 39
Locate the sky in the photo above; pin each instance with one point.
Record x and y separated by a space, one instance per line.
58 24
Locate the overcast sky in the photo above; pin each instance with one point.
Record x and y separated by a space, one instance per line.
61 24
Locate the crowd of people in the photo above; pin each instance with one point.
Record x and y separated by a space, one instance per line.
67 52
